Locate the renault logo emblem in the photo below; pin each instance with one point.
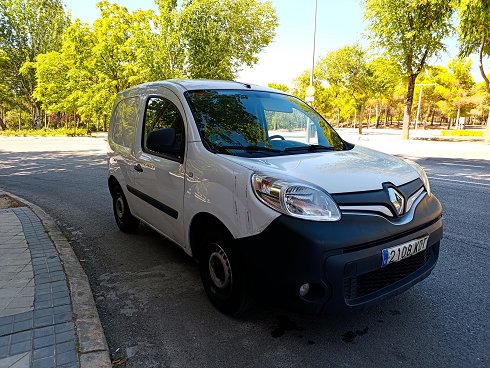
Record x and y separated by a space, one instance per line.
396 200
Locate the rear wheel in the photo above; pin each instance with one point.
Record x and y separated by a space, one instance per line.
124 219
223 276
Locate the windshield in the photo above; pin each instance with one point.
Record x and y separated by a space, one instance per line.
256 124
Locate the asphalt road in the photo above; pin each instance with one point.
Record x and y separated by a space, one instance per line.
155 312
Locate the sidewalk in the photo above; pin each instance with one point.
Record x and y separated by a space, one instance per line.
420 144
47 313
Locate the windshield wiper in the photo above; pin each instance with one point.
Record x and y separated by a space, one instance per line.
311 148
251 148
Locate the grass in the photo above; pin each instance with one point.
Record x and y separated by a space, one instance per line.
61 132
462 133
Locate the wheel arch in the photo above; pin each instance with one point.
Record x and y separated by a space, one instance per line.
112 183
200 223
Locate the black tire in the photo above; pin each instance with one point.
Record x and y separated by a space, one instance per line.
223 276
124 219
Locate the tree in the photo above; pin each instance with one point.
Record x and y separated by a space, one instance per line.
219 36
411 32
385 78
279 86
347 68
474 36
125 48
29 28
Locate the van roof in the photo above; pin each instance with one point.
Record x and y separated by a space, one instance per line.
199 84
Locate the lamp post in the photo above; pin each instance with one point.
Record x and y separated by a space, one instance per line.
420 101
310 91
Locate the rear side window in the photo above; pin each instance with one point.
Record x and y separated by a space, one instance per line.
161 114
125 119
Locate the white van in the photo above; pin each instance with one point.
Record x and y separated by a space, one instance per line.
271 201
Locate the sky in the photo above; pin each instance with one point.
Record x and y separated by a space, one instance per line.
339 23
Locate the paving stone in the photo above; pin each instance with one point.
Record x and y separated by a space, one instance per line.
16 361
43 312
21 337
7 320
68 357
22 302
23 325
31 270
45 352
20 347
44 331
4 340
4 351
43 321
46 304
23 316
61 301
44 341
48 362
64 327
5 329
62 317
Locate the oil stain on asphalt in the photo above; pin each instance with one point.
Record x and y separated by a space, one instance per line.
284 324
349 336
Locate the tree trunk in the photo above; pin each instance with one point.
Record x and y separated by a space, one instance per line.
487 130
2 124
361 115
407 111
386 115
426 118
378 115
37 118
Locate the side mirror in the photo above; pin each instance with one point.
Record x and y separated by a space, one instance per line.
161 141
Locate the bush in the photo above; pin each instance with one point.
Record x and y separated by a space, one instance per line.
462 133
61 132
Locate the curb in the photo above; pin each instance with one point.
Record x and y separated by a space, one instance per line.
92 345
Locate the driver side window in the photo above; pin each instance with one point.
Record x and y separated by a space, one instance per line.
163 131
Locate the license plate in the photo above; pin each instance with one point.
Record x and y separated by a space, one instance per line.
402 251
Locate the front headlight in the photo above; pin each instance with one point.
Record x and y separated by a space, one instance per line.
423 176
295 199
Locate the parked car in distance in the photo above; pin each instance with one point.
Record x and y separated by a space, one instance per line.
268 198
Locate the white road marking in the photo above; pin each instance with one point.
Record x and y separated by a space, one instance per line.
461 181
466 165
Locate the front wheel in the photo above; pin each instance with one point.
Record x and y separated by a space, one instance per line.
223 277
124 219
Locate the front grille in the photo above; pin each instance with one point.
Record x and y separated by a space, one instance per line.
361 285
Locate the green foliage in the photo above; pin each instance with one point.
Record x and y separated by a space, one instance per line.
219 36
473 31
347 69
61 132
28 28
279 86
474 36
462 133
125 48
410 32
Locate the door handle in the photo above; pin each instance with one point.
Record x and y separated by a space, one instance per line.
138 168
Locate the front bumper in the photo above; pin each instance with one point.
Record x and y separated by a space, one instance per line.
340 260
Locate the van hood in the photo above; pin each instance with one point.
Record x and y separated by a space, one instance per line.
359 169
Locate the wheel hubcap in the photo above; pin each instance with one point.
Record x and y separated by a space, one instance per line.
120 207
220 268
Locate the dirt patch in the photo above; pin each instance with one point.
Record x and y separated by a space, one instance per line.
9 202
